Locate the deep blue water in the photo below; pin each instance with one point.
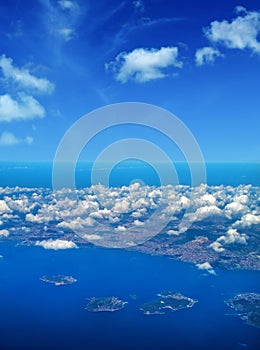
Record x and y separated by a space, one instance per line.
35 315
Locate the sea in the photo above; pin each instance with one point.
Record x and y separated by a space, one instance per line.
36 315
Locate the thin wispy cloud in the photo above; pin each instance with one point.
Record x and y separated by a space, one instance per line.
61 18
9 139
139 5
23 77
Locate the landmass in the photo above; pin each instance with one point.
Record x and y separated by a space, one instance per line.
58 280
167 301
247 307
105 304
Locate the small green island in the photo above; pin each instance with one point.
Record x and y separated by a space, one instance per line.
58 280
247 307
167 301
105 304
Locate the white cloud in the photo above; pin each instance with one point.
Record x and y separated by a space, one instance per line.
120 228
61 18
23 108
247 221
9 139
206 55
206 212
91 237
241 32
121 206
66 33
4 233
243 199
232 236
142 65
78 223
237 207
173 232
68 5
56 244
23 77
206 266
234 209
138 223
4 208
217 247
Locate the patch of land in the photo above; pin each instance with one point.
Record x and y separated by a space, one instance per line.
105 304
167 301
247 307
58 280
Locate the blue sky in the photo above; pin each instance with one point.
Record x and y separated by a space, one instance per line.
61 59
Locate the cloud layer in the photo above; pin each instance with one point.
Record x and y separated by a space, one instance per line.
120 213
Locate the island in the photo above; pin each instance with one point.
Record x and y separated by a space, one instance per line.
247 307
167 301
105 304
58 280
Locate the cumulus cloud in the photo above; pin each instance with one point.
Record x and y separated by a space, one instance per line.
206 55
207 267
9 139
120 228
4 208
217 247
23 77
124 211
78 223
142 65
242 32
24 107
4 233
138 223
173 232
206 212
232 236
121 206
235 209
56 244
247 221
